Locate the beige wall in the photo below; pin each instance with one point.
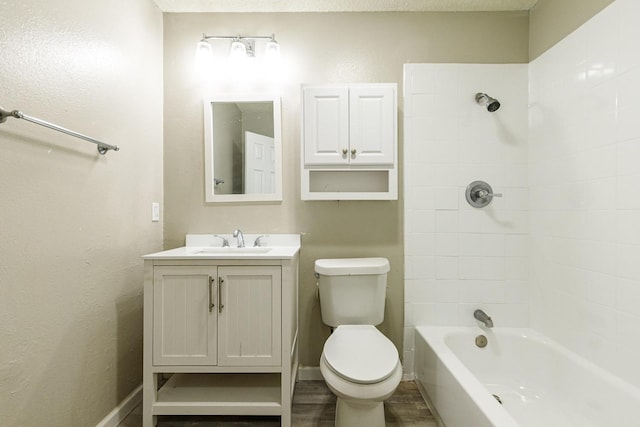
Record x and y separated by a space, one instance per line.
551 20
319 48
73 224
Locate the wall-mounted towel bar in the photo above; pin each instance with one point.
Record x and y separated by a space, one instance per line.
102 146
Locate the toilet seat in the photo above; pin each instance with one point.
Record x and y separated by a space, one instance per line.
360 354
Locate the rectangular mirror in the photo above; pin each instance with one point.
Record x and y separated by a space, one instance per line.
243 149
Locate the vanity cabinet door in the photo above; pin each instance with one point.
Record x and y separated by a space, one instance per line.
249 318
184 316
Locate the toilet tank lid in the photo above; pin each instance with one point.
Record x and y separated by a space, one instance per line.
351 266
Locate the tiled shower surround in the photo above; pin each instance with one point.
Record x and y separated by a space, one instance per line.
459 258
560 252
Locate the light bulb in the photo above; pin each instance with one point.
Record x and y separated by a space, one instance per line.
204 58
238 50
272 50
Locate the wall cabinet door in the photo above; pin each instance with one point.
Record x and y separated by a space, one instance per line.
372 125
249 319
184 320
326 125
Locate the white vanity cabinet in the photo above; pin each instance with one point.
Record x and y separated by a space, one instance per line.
220 335
349 135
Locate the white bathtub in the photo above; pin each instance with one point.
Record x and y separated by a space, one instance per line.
539 382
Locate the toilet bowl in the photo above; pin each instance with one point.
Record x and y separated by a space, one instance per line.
361 367
359 364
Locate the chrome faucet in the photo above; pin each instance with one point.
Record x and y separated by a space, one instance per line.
482 316
240 237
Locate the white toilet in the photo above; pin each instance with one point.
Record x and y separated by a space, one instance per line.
359 364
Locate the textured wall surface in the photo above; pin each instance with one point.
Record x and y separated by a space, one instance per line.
585 214
316 48
459 258
74 224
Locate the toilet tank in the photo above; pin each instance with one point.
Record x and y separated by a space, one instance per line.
352 290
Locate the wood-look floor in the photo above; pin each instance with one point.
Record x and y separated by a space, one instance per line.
313 406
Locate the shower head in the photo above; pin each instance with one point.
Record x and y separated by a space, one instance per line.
484 99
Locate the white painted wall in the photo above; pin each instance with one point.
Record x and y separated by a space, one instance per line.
584 179
459 258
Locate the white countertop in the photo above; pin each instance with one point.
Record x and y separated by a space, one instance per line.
208 246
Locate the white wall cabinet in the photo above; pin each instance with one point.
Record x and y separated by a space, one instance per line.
349 125
224 332
349 135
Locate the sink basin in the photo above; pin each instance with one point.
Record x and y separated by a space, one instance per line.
232 250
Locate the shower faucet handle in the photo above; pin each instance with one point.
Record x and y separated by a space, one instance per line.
479 194
484 194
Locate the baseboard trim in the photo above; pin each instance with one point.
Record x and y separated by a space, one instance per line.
408 377
123 409
309 373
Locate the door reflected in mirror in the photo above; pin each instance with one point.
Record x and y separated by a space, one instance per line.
243 149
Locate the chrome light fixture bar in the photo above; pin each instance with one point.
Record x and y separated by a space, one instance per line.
241 46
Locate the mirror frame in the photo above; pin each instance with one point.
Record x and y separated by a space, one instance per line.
210 196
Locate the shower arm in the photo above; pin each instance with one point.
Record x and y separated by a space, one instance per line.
16 114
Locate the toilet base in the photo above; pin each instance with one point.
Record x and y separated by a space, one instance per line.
359 413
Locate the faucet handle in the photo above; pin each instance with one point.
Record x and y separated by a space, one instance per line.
258 243
225 241
483 194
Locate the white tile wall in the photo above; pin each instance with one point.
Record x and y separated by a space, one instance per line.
584 164
458 258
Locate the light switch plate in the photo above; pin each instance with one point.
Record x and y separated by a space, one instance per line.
155 212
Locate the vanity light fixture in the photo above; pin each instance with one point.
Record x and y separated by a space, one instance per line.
242 47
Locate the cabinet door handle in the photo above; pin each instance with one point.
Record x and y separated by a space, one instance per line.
353 152
220 305
212 280
344 151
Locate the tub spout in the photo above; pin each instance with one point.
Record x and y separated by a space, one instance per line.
483 317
